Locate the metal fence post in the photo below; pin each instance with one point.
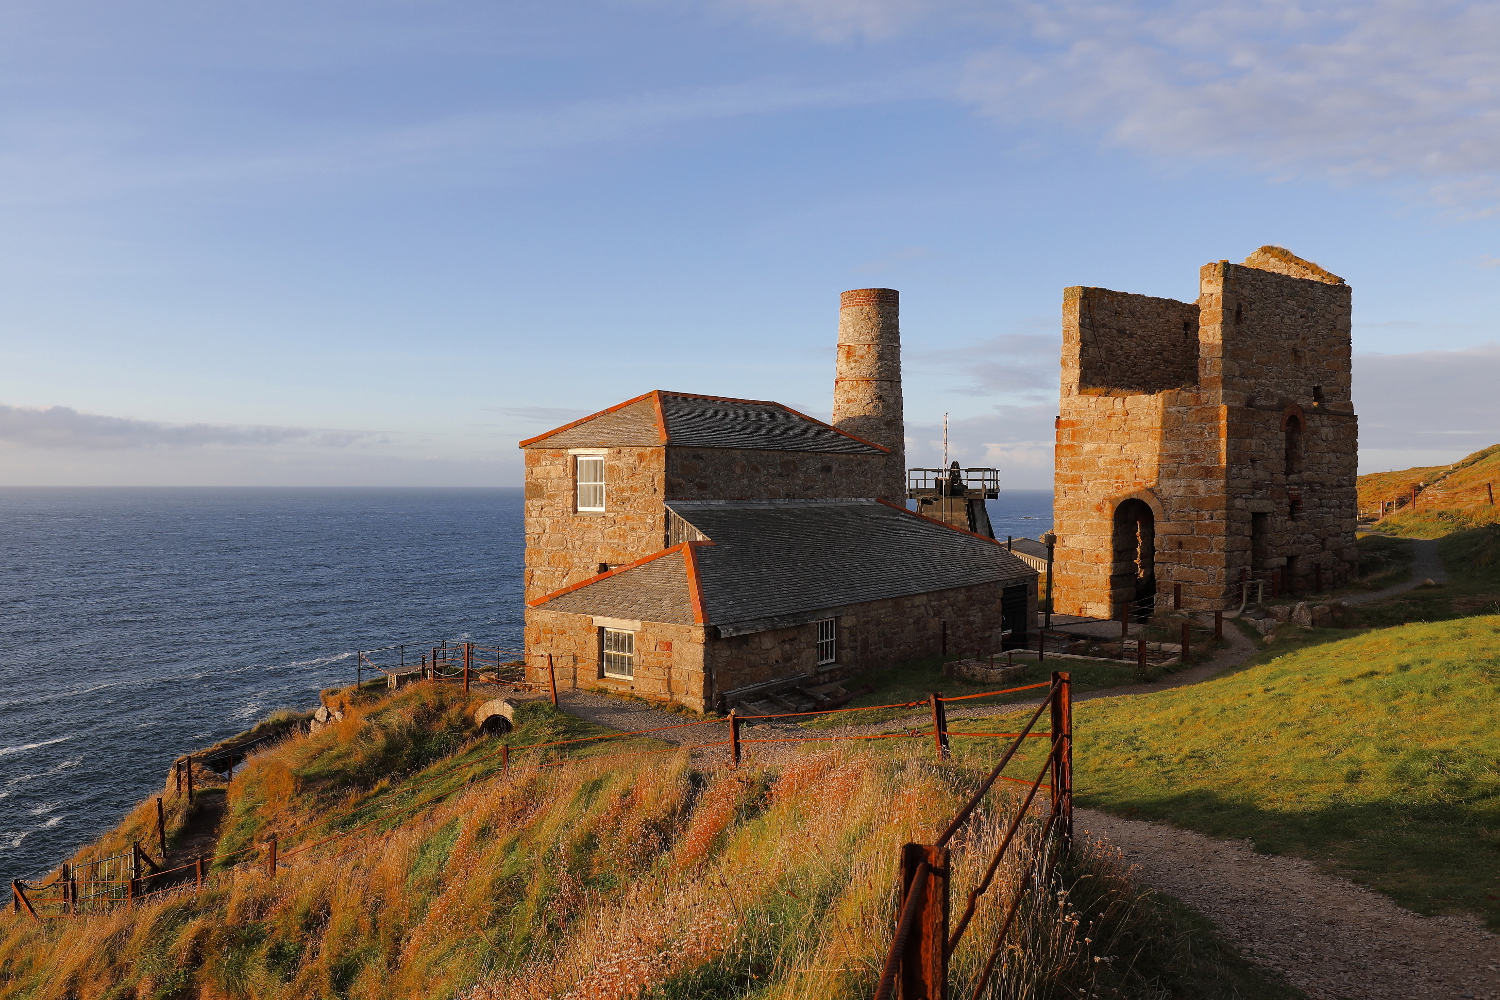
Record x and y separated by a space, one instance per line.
734 736
468 658
939 726
924 959
1176 597
199 869
188 767
505 758
161 830
1062 759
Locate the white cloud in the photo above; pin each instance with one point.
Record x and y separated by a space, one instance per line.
61 427
1388 90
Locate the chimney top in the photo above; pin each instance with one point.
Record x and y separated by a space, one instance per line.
869 297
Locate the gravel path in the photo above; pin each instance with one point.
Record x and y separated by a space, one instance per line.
1330 937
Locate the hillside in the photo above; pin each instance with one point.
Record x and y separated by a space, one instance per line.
432 870
1465 485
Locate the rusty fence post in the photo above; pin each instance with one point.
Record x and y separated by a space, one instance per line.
1062 757
939 726
1490 489
188 767
924 959
177 775
271 857
505 758
161 830
468 658
70 888
1218 626
200 870
734 736
432 664
552 679
1184 656
18 897
1176 597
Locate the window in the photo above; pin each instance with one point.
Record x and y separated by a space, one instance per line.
619 653
828 640
589 472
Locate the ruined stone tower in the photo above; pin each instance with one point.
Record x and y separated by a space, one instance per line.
867 383
1205 443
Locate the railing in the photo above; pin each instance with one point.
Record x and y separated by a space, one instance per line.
922 944
942 482
461 661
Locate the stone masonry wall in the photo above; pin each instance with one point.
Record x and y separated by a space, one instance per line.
872 635
1210 458
668 658
745 474
686 665
1119 342
564 546
867 398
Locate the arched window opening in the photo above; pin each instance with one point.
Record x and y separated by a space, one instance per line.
1133 581
1293 444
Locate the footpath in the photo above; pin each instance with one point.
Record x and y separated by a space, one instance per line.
1331 938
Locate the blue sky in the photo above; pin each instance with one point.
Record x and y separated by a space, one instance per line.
376 243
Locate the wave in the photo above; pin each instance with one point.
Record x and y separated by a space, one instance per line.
32 746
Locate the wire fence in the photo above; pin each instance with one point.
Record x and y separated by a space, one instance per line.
133 877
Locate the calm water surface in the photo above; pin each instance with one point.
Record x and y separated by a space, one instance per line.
137 625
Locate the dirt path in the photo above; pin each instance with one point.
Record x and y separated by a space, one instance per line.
1330 937
1428 565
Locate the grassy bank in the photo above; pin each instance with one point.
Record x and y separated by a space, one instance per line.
584 875
1376 754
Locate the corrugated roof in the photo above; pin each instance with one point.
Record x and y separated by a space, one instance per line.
773 563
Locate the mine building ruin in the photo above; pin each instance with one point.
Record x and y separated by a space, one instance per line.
711 551
1208 443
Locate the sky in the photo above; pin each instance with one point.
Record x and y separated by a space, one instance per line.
376 243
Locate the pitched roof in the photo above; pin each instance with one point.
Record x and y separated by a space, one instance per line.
687 420
773 563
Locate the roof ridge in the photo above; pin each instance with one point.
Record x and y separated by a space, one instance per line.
596 578
592 416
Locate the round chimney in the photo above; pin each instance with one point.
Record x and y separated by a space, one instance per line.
867 384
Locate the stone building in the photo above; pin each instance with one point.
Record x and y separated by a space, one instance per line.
705 550
1205 443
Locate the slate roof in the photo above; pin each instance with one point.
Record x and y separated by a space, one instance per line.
1030 551
654 591
686 420
774 563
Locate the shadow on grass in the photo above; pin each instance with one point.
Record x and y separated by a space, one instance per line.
1431 858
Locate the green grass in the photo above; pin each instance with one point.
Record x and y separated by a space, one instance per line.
1375 754
916 679
1470 549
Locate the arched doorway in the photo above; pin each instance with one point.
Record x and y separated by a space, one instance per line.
1133 582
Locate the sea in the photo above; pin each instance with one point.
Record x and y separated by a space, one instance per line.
137 625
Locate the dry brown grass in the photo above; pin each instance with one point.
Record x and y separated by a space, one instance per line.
620 878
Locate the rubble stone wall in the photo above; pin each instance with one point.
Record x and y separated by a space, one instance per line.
747 474
1233 486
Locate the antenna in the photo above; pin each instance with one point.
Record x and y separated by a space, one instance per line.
945 440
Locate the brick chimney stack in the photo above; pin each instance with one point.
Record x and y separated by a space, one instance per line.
867 385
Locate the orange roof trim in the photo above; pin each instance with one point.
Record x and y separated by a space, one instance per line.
591 416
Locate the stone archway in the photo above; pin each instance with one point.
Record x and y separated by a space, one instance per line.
1133 579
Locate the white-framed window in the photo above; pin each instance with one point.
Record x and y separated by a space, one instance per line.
619 653
588 474
828 634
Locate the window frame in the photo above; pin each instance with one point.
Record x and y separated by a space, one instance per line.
579 484
830 640
619 655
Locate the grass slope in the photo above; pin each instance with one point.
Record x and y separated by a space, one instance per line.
1377 754
625 877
